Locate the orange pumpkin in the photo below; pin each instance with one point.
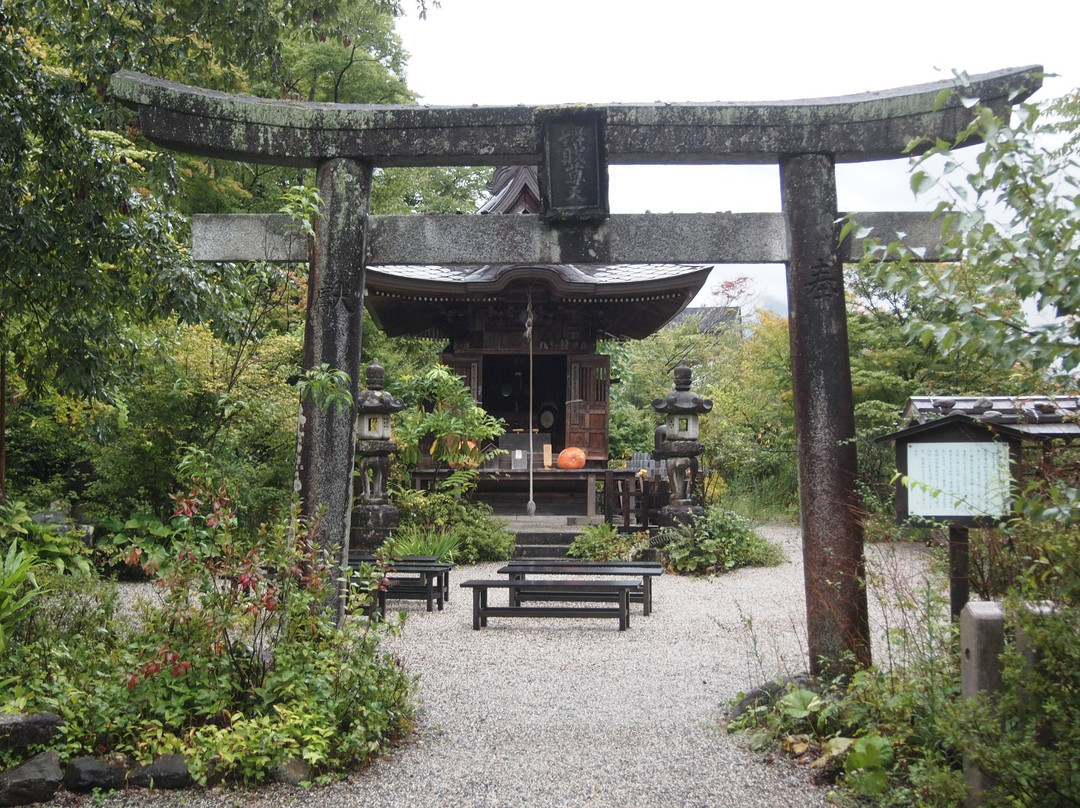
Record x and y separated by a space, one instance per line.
467 447
571 458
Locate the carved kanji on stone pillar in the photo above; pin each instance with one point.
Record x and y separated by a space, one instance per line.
836 606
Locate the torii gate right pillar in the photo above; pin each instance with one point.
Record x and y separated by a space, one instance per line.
833 563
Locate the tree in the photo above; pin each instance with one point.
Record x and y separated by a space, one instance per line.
92 242
1012 217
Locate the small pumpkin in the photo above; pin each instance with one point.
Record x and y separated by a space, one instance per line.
467 448
571 458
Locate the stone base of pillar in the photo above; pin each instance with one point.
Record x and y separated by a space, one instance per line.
679 514
371 526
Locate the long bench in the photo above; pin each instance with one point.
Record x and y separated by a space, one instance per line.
520 569
582 589
411 578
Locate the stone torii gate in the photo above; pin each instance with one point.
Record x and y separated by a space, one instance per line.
573 146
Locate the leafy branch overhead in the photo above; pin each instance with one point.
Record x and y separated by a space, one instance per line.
1011 217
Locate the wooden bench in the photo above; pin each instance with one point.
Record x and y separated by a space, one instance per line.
520 569
581 588
411 578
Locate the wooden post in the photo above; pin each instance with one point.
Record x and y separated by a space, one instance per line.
837 615
326 440
959 577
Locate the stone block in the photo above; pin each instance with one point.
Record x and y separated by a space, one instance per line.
21 731
292 771
167 772
982 642
88 773
36 780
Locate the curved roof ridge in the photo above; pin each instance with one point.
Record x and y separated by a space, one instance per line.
514 189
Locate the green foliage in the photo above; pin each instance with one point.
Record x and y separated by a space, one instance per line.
234 404
18 589
94 245
327 387
45 543
604 542
134 547
441 420
303 206
886 730
1010 216
866 765
631 429
415 540
238 664
445 517
749 436
889 364
718 541
436 189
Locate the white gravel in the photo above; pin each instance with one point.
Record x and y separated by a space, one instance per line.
571 712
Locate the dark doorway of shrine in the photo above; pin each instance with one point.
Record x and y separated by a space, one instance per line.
506 394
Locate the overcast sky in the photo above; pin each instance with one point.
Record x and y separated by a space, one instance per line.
602 51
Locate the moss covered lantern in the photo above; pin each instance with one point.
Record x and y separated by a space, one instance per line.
678 439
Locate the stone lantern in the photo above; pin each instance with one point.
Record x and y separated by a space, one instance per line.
373 516
677 440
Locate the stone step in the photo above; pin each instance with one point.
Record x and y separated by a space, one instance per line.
541 550
545 537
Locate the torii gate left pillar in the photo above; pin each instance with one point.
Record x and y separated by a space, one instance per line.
326 437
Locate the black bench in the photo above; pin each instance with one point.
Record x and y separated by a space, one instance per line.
581 588
522 568
411 578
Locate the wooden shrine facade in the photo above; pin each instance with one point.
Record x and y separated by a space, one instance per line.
550 380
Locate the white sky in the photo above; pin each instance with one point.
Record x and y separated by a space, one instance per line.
603 51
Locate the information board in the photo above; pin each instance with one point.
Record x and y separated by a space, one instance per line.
970 478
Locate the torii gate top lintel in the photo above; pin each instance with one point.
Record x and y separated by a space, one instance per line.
855 128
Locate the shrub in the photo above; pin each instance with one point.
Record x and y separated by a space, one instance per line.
604 542
239 662
716 542
882 733
481 537
415 540
27 551
45 543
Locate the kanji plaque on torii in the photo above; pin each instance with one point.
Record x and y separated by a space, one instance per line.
573 165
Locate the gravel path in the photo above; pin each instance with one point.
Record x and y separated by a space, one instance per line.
540 712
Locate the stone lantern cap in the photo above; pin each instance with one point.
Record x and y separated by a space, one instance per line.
682 401
374 400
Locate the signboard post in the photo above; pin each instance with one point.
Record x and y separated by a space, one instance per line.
960 472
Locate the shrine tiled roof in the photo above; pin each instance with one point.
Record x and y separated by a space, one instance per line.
565 278
1034 417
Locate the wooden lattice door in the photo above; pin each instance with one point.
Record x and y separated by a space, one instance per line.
587 384
468 368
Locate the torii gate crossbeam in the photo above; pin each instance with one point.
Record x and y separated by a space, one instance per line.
805 138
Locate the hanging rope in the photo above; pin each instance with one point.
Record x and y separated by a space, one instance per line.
531 507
